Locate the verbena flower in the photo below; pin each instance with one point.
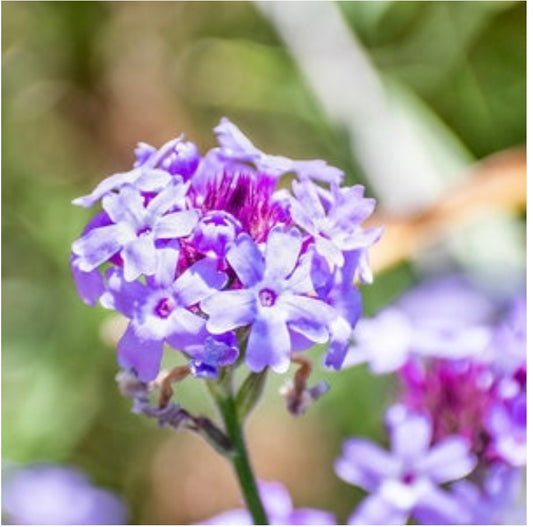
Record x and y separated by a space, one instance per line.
205 252
279 510
461 359
405 481
45 494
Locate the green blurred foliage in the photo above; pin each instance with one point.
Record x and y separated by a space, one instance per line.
83 81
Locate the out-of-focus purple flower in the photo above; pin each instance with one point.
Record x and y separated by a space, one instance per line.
406 480
498 501
506 422
446 318
461 359
46 494
273 299
279 510
159 311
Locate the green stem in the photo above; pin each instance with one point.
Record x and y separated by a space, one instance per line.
241 463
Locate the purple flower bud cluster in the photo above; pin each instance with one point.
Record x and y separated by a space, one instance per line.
461 415
208 255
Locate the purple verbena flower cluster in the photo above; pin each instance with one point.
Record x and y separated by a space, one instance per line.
207 255
461 415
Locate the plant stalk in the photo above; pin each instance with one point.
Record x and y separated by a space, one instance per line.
240 460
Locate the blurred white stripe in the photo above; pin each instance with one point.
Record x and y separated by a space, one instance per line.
393 149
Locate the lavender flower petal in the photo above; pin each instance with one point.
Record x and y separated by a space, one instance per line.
141 354
176 224
199 281
100 244
448 460
246 260
269 344
228 310
364 464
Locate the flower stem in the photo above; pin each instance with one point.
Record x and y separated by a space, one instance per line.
240 460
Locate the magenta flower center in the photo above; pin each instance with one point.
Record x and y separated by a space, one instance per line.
145 231
267 297
408 477
164 307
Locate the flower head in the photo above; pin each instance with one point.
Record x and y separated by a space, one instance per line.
202 252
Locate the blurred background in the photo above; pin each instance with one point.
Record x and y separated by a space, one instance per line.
408 98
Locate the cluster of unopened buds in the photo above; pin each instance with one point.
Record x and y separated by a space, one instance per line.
211 256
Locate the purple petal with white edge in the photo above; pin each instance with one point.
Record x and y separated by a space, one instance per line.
319 170
176 224
107 185
199 281
301 216
123 296
90 285
166 265
143 152
168 198
448 460
143 355
139 257
374 510
329 250
303 311
246 260
269 343
411 436
437 507
126 206
186 333
340 332
186 327
300 281
307 196
228 310
281 253
98 245
152 180
359 238
364 464
350 207
234 142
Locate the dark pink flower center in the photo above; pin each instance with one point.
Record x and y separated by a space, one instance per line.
408 478
164 307
267 297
